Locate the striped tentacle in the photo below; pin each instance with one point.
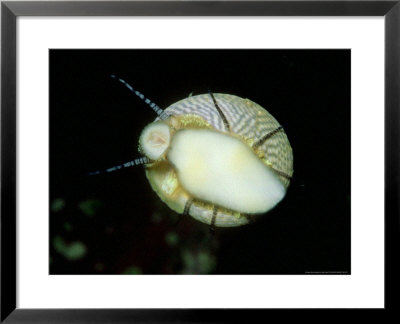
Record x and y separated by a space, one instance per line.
139 161
161 113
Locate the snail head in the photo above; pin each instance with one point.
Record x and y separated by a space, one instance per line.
155 139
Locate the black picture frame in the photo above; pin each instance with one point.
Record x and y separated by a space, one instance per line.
10 10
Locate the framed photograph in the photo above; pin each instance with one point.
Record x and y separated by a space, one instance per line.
122 203
197 160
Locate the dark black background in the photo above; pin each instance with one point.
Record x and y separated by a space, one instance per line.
95 123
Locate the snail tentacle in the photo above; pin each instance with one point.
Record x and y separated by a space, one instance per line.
139 161
160 112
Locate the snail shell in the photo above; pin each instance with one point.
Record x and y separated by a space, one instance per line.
220 158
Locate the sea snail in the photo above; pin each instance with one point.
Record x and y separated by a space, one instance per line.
220 158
